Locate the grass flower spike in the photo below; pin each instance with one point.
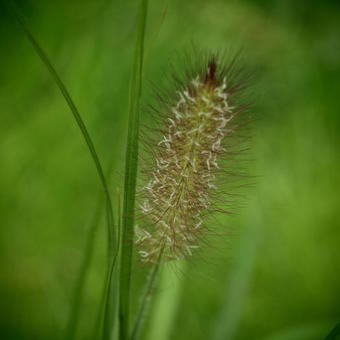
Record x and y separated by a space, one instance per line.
185 164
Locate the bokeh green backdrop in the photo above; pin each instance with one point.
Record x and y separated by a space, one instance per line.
276 275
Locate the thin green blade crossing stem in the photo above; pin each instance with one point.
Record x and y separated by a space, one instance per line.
112 288
130 175
44 58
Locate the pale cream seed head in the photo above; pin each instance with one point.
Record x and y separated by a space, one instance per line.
184 170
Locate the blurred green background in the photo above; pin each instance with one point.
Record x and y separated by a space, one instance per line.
276 274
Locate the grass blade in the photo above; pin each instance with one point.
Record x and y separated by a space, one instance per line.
110 305
44 58
113 244
130 175
81 278
88 254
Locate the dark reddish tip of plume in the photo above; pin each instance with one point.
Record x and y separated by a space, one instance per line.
211 72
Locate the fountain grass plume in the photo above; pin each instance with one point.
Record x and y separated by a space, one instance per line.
197 125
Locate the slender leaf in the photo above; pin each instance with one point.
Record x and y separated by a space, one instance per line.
81 278
112 248
111 299
84 267
44 58
130 175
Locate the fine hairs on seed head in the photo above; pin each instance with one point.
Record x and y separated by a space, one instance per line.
198 121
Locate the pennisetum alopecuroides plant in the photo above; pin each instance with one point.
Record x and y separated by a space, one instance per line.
188 165
198 125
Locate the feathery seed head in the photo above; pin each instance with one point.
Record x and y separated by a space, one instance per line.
185 165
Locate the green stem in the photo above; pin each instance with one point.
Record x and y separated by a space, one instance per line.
130 176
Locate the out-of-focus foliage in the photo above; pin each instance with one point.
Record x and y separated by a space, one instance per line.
274 275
